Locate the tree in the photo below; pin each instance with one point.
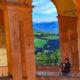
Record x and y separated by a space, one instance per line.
43 58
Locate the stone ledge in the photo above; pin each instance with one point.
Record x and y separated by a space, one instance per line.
17 7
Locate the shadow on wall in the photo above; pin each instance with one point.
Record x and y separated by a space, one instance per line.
3 52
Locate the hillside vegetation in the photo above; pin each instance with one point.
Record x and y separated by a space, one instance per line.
47 48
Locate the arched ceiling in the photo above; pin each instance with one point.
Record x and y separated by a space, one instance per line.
65 7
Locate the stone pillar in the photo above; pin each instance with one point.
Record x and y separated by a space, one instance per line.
20 41
77 2
69 39
78 13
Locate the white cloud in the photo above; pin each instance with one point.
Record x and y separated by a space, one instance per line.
45 20
35 3
43 6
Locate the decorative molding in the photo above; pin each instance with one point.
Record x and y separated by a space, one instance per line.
17 7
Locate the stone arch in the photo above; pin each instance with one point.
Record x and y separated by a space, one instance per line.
67 13
66 17
26 19
63 6
55 6
18 47
53 32
77 4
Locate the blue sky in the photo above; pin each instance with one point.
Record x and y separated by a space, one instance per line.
44 11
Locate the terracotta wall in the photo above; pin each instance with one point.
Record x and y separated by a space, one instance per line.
69 40
20 44
5 78
56 78
54 68
47 68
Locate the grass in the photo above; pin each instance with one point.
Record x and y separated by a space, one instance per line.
39 32
52 37
36 33
40 43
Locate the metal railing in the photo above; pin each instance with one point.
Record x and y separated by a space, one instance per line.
58 73
53 70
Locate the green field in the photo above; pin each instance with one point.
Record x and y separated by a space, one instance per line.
40 42
47 48
51 37
45 33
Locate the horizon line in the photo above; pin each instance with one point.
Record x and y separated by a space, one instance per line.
44 22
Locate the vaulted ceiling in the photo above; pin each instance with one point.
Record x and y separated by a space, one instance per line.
65 7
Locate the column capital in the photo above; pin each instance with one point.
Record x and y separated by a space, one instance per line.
26 2
17 7
78 14
67 19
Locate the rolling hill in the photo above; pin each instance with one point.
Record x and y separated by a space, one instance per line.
51 27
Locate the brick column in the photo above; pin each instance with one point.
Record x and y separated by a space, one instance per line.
20 41
68 39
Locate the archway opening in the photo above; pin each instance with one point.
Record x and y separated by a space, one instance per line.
46 33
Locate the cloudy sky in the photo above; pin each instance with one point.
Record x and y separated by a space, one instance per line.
44 11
